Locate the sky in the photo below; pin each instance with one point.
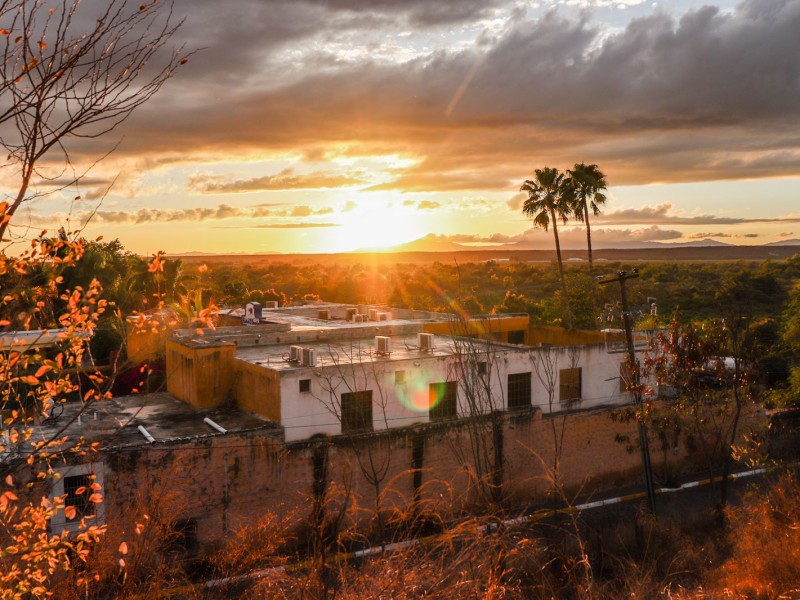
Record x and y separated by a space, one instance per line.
335 125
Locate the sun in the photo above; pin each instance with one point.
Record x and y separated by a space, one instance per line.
378 220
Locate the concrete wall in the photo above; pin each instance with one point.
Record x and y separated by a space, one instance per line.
488 328
200 375
227 482
257 389
558 336
317 411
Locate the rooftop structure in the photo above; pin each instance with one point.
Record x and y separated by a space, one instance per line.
336 369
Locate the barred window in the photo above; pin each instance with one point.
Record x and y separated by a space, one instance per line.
357 411
519 390
443 400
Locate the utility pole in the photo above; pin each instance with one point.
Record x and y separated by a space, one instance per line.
622 277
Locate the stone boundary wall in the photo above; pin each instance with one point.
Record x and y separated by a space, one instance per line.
227 482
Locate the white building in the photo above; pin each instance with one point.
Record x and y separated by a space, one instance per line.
314 373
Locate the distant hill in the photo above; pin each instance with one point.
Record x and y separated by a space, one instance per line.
791 242
440 243
430 243
704 243
193 253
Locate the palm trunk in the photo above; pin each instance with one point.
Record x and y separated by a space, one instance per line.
588 235
589 252
567 312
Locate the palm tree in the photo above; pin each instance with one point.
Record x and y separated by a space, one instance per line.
548 201
587 184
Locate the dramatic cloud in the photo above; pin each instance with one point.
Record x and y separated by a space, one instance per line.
516 201
662 214
656 101
703 235
601 237
295 225
154 215
465 97
571 238
422 204
285 180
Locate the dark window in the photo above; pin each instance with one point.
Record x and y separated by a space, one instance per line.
305 385
569 384
519 390
78 490
357 411
483 368
516 337
443 400
399 377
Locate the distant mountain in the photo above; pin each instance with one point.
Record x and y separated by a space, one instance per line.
791 242
201 253
632 245
430 243
440 243
704 243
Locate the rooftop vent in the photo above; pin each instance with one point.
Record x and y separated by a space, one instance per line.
383 345
309 357
295 353
425 341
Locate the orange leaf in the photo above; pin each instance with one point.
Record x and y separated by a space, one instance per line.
80 490
123 548
96 498
70 512
42 370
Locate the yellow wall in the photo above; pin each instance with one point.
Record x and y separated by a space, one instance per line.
558 336
144 343
200 376
495 328
258 390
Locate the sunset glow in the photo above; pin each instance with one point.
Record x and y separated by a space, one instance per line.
334 129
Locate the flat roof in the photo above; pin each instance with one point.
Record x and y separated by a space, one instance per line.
115 422
360 349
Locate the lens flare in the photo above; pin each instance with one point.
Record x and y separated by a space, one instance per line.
417 395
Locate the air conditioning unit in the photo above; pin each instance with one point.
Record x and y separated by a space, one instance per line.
359 318
309 357
351 314
271 304
384 316
373 314
295 353
323 314
383 344
425 341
